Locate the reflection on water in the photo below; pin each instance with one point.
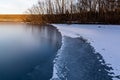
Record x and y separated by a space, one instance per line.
27 51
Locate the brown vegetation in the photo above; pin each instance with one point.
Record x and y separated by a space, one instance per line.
80 11
13 17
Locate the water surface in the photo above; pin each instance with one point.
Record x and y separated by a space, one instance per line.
27 51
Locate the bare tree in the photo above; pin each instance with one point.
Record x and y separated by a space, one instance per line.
101 10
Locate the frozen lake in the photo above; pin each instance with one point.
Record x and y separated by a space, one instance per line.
27 52
33 52
104 40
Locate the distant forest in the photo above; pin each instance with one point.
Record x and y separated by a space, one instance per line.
75 11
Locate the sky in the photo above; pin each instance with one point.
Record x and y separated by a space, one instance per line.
15 6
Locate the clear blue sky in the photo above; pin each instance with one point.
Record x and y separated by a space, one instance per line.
15 6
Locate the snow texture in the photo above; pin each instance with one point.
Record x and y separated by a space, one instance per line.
104 38
78 60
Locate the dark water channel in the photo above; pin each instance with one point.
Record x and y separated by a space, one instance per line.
27 52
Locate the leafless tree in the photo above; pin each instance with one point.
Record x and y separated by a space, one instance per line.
86 10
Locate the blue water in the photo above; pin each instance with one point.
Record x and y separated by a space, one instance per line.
27 51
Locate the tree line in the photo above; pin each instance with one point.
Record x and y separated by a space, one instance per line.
75 11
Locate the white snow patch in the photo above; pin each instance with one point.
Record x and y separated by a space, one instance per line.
104 38
55 68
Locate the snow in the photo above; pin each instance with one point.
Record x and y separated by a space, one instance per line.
104 38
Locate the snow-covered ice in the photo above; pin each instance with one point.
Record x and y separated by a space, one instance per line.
104 38
77 59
